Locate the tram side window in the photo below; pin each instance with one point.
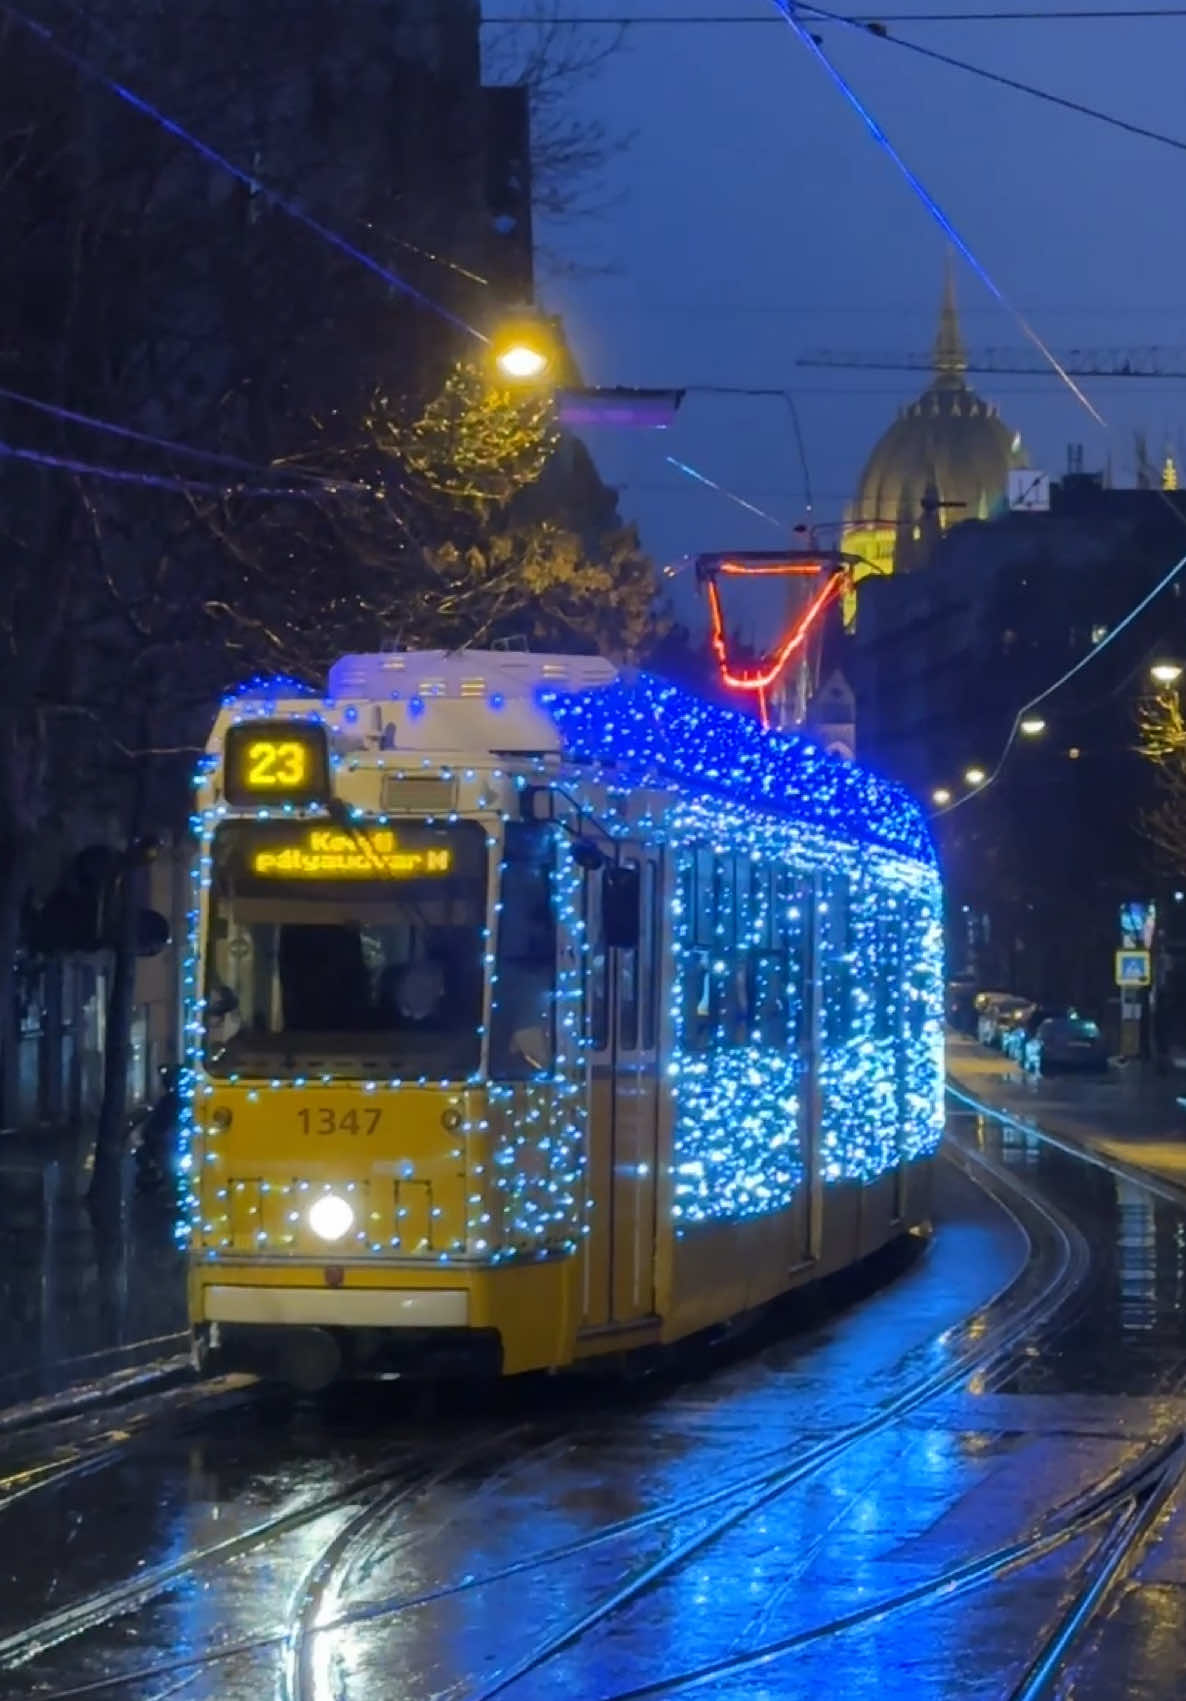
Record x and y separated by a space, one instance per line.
835 935
523 1018
769 1011
890 993
629 973
792 896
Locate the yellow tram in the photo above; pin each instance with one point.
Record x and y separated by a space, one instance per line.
540 1012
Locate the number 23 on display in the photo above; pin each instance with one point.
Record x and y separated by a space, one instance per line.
327 1121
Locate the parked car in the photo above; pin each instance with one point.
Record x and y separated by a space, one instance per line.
999 1012
1065 1042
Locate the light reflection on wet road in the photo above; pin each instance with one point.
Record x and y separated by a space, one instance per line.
437 1539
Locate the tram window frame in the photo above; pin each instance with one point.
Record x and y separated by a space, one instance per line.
529 848
652 933
702 928
630 967
743 923
725 931
696 977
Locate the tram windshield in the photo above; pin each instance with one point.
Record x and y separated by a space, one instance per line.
348 951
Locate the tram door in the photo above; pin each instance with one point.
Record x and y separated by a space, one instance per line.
622 1016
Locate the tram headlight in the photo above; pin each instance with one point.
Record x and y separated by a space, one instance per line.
330 1217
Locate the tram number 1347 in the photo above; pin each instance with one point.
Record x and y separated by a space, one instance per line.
323 1120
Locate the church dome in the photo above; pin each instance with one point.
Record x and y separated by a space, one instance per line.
946 457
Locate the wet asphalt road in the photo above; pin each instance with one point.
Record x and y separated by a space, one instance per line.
828 1512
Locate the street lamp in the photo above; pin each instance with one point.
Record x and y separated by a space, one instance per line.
975 776
524 348
941 796
1032 726
1166 672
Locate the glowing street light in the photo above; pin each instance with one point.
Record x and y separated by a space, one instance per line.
941 797
1033 726
524 348
1166 672
975 776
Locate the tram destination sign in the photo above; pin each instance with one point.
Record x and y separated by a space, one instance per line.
263 855
363 853
276 762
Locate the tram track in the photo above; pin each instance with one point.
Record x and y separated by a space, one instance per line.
399 1477
993 1337
1127 1506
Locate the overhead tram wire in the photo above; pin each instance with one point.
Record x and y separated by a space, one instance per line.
722 490
315 481
791 13
998 77
50 39
153 481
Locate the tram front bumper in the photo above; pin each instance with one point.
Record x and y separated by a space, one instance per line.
336 1308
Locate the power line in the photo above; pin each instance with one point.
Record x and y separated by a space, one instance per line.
730 495
209 456
1084 661
789 12
154 481
282 203
682 20
1031 89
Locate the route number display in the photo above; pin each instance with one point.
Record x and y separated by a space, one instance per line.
276 761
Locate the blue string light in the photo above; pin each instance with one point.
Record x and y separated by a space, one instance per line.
657 731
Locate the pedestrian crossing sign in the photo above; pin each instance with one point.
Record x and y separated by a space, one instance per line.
1132 968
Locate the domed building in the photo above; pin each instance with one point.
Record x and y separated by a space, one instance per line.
946 458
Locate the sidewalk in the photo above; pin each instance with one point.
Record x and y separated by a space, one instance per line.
1130 1116
76 1306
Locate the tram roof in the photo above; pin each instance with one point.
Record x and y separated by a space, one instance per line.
646 729
655 730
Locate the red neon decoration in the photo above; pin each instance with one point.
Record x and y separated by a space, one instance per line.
785 570
761 679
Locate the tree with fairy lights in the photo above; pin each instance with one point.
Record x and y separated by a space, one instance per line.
1162 741
459 522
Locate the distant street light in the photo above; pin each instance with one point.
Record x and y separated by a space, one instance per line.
941 796
1032 726
1166 672
975 776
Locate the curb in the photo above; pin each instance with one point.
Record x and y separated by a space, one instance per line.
156 1377
1077 1147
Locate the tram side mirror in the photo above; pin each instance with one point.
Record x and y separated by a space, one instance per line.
587 855
621 902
